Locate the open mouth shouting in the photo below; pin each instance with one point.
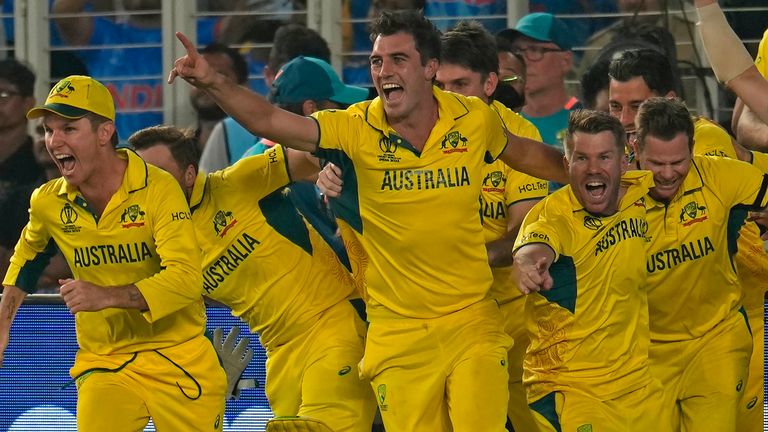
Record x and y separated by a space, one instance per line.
392 92
65 162
597 198
596 189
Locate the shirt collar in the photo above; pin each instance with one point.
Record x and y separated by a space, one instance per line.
197 191
450 109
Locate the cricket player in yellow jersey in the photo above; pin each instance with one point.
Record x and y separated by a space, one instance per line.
637 75
123 227
469 66
753 269
415 157
587 312
733 66
751 261
700 338
276 273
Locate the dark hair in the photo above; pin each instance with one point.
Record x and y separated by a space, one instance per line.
18 74
180 142
470 45
505 45
593 122
239 66
293 40
649 64
97 120
596 78
663 118
425 35
414 4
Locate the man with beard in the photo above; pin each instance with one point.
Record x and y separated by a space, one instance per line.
701 341
414 157
637 75
472 67
587 363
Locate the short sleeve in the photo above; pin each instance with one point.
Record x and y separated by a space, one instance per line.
258 175
538 228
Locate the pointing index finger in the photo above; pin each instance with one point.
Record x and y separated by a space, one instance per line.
188 45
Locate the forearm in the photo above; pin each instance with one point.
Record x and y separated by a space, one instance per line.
127 297
500 250
261 118
751 132
534 158
302 165
9 305
730 60
726 52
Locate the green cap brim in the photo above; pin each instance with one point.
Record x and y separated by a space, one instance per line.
63 110
350 95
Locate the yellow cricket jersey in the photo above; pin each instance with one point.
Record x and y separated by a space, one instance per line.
416 213
762 55
760 160
710 139
692 278
259 256
503 187
590 331
751 259
144 237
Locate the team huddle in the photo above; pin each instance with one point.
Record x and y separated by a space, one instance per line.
627 300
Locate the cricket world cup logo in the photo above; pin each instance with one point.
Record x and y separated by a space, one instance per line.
68 215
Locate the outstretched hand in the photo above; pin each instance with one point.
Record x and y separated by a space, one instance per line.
193 67
532 276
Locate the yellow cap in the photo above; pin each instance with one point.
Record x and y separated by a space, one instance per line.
74 97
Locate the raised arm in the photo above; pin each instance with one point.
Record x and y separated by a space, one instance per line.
730 61
251 110
751 132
